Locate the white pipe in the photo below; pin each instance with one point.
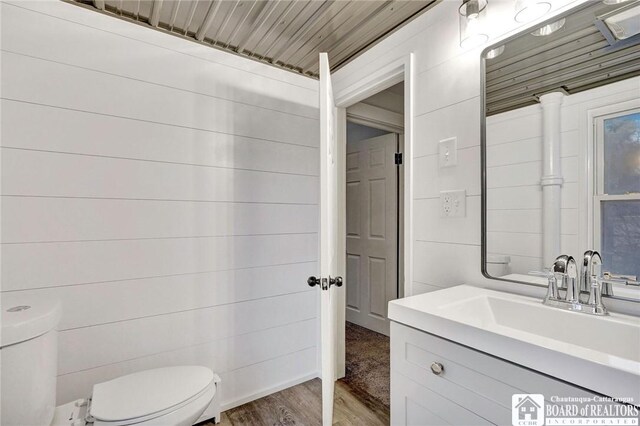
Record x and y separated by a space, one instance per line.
552 180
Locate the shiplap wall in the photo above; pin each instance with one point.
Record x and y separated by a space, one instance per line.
446 90
166 192
514 170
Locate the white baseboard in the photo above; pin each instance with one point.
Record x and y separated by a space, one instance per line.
268 391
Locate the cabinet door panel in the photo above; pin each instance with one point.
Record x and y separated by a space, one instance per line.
413 404
473 381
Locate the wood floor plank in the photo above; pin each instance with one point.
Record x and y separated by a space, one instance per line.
361 398
301 406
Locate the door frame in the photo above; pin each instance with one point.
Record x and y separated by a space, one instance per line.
397 71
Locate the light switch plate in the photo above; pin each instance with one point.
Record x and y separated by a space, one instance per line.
448 152
453 203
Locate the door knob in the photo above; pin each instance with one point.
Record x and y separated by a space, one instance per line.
337 281
324 283
313 281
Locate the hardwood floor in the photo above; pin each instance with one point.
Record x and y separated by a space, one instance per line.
361 398
301 405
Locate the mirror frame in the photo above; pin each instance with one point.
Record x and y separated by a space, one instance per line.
483 146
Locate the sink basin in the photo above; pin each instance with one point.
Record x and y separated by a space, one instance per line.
602 334
599 353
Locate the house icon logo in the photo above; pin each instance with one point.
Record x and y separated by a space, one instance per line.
527 410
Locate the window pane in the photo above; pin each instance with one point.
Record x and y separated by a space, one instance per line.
622 154
621 237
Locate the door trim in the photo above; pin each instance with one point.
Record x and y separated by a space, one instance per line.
393 73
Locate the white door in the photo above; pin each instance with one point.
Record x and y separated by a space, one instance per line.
372 231
328 281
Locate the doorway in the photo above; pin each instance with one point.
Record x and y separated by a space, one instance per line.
333 179
373 230
373 197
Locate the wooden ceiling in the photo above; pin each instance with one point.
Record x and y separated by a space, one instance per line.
285 33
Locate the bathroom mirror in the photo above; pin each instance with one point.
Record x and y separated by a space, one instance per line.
561 145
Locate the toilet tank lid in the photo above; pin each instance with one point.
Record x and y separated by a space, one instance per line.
147 392
25 317
498 259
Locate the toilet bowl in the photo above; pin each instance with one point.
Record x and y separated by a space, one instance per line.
162 396
176 396
498 265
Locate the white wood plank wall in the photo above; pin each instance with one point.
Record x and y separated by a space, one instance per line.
166 193
514 170
446 90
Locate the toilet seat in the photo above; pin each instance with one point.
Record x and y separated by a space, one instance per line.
145 395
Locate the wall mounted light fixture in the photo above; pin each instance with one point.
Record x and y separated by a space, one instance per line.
528 10
472 13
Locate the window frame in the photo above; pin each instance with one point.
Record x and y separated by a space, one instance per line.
598 196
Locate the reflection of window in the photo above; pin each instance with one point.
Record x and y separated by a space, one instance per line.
617 197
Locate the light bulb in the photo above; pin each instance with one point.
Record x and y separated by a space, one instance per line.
471 23
494 53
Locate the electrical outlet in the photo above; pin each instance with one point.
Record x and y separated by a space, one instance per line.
453 203
448 152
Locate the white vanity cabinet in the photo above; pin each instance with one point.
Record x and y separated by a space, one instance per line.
473 389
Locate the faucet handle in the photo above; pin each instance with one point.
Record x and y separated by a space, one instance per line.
552 289
595 296
609 279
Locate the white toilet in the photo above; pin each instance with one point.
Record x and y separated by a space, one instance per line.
498 265
176 396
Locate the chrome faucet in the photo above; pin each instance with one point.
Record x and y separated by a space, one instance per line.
567 266
592 282
590 261
564 276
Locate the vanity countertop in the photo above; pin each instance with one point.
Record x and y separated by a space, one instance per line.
601 354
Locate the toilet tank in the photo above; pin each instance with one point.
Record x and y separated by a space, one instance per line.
28 359
498 265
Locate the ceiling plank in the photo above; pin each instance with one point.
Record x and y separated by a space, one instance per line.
309 32
284 33
266 11
174 14
192 11
154 18
225 21
274 26
297 28
355 17
240 26
138 9
208 19
380 26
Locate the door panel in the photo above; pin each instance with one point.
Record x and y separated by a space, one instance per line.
353 272
328 238
353 206
377 294
377 212
372 233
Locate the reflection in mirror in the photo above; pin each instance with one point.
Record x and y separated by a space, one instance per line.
561 146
